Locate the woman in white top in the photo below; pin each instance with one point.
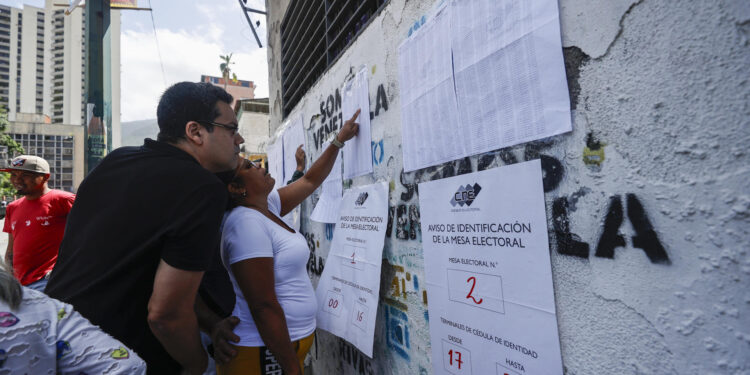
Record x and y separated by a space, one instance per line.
266 261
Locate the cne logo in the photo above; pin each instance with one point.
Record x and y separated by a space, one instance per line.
361 199
18 162
465 195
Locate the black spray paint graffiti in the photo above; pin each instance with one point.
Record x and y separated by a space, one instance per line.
645 237
553 172
610 239
315 262
331 118
355 358
567 243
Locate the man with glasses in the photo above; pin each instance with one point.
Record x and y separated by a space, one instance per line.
34 223
145 226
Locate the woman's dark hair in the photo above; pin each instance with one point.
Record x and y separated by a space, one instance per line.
234 199
188 101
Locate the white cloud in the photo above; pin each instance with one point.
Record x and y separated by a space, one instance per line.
186 54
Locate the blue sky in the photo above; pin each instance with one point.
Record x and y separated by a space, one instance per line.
191 36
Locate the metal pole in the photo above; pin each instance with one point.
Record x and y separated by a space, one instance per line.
244 11
97 25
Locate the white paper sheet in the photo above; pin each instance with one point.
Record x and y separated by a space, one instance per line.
349 287
358 151
479 76
488 273
294 136
275 153
429 113
509 72
329 203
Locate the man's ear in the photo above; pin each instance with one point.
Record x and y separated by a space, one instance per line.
45 177
194 132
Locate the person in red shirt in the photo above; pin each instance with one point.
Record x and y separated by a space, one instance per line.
35 223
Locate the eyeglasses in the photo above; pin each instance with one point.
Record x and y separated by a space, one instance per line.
232 129
253 163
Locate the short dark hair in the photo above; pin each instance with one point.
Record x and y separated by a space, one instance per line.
188 101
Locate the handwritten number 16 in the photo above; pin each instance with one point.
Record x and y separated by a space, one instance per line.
473 281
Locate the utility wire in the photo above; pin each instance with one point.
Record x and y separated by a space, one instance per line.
158 50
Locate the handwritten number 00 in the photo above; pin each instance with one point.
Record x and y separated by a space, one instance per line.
473 281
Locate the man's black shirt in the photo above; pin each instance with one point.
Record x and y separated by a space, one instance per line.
140 205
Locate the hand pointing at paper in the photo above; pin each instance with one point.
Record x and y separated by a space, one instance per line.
253 234
349 129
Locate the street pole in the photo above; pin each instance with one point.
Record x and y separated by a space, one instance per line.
98 89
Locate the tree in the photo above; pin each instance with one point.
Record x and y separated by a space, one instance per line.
225 69
13 148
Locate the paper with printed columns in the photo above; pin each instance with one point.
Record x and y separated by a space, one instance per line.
488 274
293 137
349 287
358 150
327 208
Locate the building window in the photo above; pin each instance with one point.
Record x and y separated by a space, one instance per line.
313 35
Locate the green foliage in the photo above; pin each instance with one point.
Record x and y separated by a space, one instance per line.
13 149
224 67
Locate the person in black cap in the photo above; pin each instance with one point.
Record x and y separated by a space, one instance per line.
34 223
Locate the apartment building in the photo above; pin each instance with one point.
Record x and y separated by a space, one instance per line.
42 63
61 145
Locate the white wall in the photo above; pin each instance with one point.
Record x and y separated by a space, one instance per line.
661 96
73 65
254 128
28 58
13 70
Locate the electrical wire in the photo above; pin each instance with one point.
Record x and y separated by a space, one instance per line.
158 49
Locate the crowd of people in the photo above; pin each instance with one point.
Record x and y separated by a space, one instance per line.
172 258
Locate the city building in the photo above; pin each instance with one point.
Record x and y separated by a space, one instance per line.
61 145
252 118
42 63
239 89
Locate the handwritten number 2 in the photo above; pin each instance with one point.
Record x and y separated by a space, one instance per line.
473 281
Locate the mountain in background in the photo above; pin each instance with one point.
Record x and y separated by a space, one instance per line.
133 132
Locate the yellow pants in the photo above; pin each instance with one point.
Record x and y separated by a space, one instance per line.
260 361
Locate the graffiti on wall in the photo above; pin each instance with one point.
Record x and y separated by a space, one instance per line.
315 262
377 152
645 238
403 284
354 358
405 216
397 331
331 118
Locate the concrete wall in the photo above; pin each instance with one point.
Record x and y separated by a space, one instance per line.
648 199
254 128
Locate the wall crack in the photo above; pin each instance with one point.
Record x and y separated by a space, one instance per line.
619 32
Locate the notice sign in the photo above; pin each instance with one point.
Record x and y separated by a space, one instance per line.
488 275
348 288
